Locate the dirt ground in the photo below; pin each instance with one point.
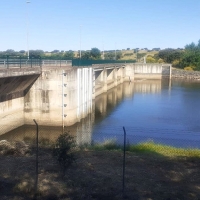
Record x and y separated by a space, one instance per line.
98 175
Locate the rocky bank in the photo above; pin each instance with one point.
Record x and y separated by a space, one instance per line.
180 73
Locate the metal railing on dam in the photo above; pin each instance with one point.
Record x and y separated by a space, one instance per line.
86 63
32 62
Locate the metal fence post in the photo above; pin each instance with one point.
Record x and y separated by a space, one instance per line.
20 60
31 62
124 164
7 62
36 163
40 62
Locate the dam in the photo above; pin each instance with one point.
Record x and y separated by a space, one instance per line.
61 96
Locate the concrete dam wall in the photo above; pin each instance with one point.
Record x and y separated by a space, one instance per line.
12 92
62 96
59 97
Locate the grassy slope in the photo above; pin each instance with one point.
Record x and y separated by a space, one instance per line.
149 147
153 171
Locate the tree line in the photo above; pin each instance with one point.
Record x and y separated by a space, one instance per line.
188 58
56 54
93 54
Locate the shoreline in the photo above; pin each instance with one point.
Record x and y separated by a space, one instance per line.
184 74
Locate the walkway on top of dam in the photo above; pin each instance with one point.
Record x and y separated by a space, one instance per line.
24 67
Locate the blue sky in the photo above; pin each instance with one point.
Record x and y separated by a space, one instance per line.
105 24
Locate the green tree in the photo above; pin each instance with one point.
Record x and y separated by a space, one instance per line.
150 59
118 55
169 55
191 56
86 55
95 53
140 55
55 51
36 53
109 56
64 151
10 52
22 51
69 55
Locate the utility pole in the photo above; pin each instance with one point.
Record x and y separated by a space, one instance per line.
103 50
80 40
27 27
115 51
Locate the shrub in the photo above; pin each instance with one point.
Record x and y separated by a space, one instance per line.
21 148
189 68
107 144
64 151
176 63
150 59
6 148
128 54
14 148
160 60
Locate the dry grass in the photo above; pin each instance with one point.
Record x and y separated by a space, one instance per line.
98 175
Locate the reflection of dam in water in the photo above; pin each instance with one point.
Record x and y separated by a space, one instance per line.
102 106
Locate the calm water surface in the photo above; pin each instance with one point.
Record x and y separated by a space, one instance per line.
167 112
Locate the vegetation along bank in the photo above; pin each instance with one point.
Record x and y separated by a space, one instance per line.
185 74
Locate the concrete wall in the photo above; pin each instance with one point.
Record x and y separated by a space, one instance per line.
152 71
54 95
108 78
12 114
12 91
147 71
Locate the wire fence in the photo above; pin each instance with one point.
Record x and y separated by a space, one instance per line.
95 135
36 174
136 135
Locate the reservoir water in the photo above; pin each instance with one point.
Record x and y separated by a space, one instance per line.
165 112
162 111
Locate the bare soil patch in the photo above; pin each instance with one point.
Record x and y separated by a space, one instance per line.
98 175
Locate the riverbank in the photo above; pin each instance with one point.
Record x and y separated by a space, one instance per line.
97 174
184 74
